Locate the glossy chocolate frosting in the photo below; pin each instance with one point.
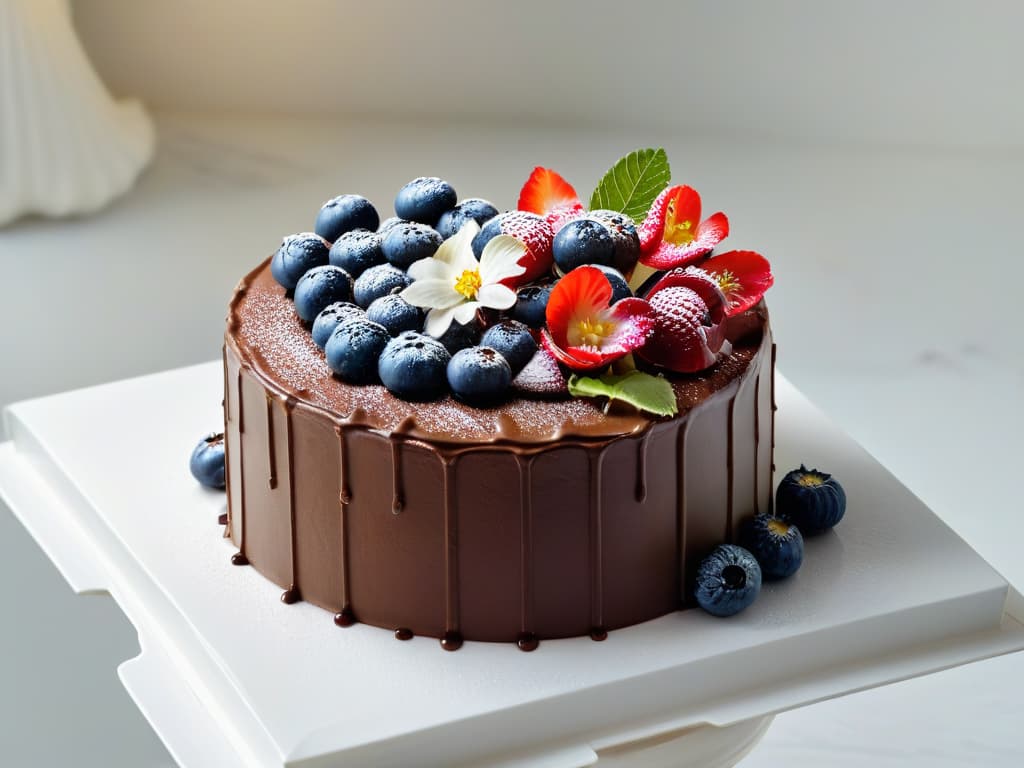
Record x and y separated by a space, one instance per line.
274 341
533 520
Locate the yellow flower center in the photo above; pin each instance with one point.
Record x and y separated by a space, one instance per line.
469 283
677 232
727 281
591 332
811 480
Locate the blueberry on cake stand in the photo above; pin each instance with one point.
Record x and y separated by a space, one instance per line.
230 676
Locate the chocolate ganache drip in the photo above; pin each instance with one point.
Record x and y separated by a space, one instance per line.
535 519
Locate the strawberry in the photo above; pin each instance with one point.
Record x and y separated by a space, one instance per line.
563 214
532 231
679 342
689 311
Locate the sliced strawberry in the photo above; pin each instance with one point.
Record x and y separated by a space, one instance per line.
743 276
541 377
546 191
535 233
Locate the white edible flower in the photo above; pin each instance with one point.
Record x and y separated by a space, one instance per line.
452 284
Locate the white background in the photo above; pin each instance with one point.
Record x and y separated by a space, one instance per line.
922 73
872 151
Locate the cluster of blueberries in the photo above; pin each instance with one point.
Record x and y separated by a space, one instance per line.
729 579
345 279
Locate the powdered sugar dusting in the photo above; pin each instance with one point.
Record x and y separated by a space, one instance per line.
276 343
541 376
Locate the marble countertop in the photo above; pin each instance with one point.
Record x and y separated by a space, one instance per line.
894 309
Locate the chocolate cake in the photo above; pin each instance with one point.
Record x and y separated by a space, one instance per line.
540 512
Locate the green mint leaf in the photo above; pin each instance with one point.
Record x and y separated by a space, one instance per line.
632 183
584 386
653 394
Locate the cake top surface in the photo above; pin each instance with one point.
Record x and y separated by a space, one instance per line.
268 335
456 323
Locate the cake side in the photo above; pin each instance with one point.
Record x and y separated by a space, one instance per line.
479 536
516 425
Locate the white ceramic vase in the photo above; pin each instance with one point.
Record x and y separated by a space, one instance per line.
66 147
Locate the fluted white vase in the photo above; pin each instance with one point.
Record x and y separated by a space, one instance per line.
66 147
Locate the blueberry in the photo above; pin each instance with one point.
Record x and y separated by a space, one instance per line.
513 341
479 375
624 236
354 349
357 251
320 287
297 255
473 209
389 223
777 545
425 199
379 281
408 243
620 288
343 214
395 314
460 336
207 461
531 304
488 231
412 366
728 580
814 501
583 241
331 317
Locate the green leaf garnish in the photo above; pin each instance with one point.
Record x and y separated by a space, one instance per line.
632 183
653 394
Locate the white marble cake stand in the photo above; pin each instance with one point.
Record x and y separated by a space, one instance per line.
229 676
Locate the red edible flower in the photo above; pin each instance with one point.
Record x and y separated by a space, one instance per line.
743 276
546 193
673 235
583 331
